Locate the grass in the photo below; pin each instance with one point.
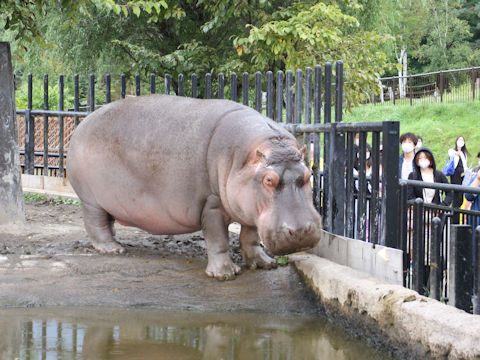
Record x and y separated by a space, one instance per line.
438 124
32 197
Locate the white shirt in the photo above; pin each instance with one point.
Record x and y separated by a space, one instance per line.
407 168
453 154
428 194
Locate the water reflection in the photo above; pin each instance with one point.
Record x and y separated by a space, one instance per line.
144 334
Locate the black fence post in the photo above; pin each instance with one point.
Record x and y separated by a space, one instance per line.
473 83
298 96
317 118
60 126
123 86
167 84
269 104
337 171
258 91
181 85
279 97
221 86
460 273
349 188
441 86
435 259
194 85
338 91
29 131
76 98
390 188
476 274
137 85
233 87
362 188
308 96
418 247
153 85
91 91
327 112
45 125
208 86
289 96
108 88
245 88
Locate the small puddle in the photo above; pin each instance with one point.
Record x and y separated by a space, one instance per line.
154 334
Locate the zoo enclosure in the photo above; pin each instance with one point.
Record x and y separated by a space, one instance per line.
295 101
447 86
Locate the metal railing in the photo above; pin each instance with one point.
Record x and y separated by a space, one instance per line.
447 86
439 255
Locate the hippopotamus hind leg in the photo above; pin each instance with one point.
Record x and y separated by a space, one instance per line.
99 225
252 252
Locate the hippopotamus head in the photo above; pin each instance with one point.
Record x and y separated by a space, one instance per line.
279 196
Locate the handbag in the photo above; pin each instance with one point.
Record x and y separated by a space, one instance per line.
449 167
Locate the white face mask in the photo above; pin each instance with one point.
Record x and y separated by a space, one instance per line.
424 163
419 144
460 144
407 147
367 155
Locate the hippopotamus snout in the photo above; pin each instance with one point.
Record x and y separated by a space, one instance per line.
290 238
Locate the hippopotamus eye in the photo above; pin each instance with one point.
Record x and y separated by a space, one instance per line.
305 179
270 180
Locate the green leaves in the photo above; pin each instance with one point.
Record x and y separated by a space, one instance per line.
305 36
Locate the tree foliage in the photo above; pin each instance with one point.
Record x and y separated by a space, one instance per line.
186 36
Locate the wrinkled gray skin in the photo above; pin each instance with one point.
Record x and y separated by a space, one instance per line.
173 165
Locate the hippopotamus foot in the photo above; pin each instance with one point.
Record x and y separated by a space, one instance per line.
99 225
252 252
221 267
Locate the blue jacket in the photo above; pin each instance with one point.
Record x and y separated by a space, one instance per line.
474 198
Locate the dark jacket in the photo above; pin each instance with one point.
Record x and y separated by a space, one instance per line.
438 177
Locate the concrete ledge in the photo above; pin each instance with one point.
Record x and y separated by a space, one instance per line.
411 324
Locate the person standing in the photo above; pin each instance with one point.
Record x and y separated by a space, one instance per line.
425 170
459 155
405 164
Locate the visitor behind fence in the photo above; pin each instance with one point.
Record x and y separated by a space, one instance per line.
459 155
405 164
419 143
424 169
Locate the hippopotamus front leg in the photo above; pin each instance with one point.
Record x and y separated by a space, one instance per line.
99 225
215 231
251 250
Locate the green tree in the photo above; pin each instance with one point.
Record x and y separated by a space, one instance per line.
302 35
447 41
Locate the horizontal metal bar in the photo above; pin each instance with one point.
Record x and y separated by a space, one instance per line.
450 210
341 127
430 73
40 153
53 112
442 186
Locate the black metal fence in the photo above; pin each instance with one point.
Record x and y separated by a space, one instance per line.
352 203
441 258
448 86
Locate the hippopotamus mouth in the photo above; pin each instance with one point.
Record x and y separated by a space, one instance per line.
287 241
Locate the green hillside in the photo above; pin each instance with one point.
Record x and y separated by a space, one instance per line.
438 124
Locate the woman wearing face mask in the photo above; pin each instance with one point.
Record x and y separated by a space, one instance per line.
425 170
459 155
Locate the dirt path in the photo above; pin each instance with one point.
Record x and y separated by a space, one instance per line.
50 262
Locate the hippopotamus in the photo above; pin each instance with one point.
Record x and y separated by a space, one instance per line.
172 165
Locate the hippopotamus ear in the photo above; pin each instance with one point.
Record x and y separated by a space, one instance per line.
303 151
260 157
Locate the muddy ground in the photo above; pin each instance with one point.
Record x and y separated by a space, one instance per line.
50 262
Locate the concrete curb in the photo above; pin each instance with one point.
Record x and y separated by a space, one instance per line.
408 322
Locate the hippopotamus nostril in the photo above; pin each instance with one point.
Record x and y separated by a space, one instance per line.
291 232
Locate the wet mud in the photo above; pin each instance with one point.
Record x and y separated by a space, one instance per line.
50 262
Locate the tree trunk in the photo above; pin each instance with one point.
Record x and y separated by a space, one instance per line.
402 74
11 196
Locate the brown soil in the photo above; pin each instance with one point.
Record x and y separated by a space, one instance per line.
50 262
